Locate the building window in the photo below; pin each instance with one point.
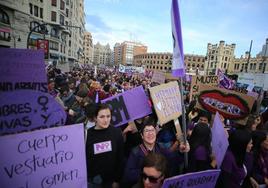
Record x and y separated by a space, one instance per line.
36 11
5 36
260 66
54 33
41 12
31 8
4 17
62 5
53 45
67 12
54 3
61 19
53 16
226 58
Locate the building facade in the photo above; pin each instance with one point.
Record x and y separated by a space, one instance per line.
124 53
244 64
102 54
163 62
44 24
195 64
219 56
88 48
14 23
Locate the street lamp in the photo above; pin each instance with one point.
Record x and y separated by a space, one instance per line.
43 29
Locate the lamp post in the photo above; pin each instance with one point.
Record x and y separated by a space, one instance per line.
43 27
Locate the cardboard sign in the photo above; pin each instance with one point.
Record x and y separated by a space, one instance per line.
22 69
167 101
45 158
26 110
219 140
230 104
203 179
158 77
64 67
197 80
128 106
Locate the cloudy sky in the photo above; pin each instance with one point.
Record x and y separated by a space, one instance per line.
203 21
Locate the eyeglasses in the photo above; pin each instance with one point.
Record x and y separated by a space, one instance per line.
150 178
149 131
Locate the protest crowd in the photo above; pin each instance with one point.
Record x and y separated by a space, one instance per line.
144 152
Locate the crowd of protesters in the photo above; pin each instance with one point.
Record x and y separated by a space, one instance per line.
143 153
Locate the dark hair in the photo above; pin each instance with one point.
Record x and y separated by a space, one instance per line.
238 141
206 114
201 135
100 107
257 138
158 161
148 122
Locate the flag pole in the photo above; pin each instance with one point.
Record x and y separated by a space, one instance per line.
183 122
178 67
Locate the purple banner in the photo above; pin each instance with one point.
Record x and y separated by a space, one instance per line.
203 179
178 68
45 158
219 140
26 110
128 106
22 69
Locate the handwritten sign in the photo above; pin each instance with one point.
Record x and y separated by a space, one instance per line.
219 140
128 106
22 69
25 110
230 104
158 77
167 101
197 80
45 158
203 179
64 67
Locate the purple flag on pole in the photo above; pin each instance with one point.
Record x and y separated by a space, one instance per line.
225 82
219 140
178 69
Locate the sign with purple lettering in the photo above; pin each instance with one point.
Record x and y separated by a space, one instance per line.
27 110
44 158
158 77
219 140
22 69
167 101
202 179
128 106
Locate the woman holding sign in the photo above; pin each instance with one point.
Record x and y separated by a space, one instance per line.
104 151
233 168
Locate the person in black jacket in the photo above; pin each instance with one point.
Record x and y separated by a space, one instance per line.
104 151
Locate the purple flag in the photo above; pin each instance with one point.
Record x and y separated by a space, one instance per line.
219 140
178 69
224 81
45 158
26 110
128 106
203 179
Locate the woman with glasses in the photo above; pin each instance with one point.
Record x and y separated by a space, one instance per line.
149 145
154 171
